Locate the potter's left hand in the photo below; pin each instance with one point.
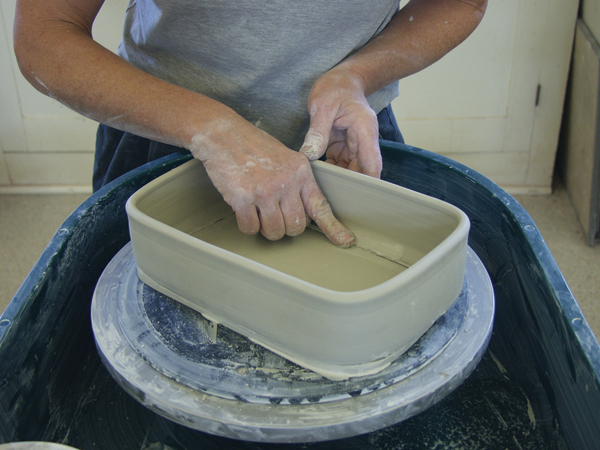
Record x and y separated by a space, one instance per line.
342 124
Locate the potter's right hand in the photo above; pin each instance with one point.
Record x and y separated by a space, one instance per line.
270 187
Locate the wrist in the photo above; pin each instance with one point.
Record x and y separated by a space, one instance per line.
210 129
353 74
348 77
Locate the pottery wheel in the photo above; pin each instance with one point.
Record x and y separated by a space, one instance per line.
212 379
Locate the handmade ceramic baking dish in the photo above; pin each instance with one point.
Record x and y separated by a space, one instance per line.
339 312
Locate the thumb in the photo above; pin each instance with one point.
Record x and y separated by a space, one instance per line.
317 137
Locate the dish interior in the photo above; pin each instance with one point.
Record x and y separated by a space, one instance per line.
390 237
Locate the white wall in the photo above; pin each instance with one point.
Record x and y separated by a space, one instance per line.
590 13
45 146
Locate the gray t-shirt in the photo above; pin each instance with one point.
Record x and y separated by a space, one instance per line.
258 57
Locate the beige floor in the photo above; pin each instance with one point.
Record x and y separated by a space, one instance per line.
28 222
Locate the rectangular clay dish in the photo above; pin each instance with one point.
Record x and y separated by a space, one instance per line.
340 312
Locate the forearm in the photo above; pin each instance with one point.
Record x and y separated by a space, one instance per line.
270 187
91 80
417 36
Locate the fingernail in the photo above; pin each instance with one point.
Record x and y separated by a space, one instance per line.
310 152
346 239
312 143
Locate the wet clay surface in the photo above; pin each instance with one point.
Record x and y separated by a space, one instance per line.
309 256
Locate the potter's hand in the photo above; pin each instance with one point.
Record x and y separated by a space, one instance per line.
342 124
270 187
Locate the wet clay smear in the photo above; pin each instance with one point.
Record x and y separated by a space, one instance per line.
309 257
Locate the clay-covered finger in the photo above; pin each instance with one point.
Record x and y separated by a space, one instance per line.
272 225
369 157
317 138
247 219
294 216
318 209
362 140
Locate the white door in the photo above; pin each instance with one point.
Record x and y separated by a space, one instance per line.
495 102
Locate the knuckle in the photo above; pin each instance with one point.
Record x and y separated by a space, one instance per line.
297 227
302 166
